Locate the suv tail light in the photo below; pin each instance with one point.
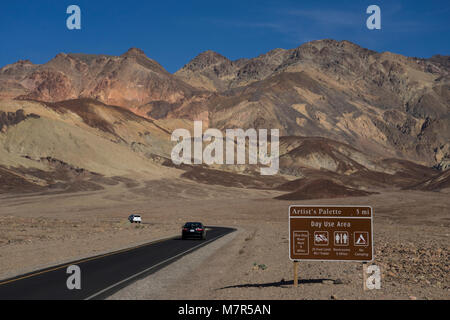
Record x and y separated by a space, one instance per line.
199 229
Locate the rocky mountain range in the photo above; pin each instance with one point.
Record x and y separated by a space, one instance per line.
341 109
380 102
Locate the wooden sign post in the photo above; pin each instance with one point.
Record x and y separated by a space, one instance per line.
296 274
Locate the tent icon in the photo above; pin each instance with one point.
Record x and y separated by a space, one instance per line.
361 238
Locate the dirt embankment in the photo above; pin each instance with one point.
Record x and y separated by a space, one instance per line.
321 189
437 183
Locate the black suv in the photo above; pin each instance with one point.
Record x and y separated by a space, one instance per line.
193 230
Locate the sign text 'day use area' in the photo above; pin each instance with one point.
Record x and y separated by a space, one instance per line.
330 233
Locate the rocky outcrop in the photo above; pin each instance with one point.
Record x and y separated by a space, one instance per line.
12 118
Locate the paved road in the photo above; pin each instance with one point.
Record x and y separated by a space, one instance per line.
103 275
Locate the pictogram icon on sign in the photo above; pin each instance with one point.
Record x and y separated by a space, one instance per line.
361 238
321 238
341 238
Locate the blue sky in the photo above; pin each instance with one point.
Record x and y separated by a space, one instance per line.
173 32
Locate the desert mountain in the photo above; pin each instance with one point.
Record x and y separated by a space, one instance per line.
84 144
131 80
57 145
350 118
383 103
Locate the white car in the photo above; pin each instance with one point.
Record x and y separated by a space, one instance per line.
135 218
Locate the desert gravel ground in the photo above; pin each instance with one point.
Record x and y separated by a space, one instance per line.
411 235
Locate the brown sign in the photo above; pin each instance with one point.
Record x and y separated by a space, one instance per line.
338 233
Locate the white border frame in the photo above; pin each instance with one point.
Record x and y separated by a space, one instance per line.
331 206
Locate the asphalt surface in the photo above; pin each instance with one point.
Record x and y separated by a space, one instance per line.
103 275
